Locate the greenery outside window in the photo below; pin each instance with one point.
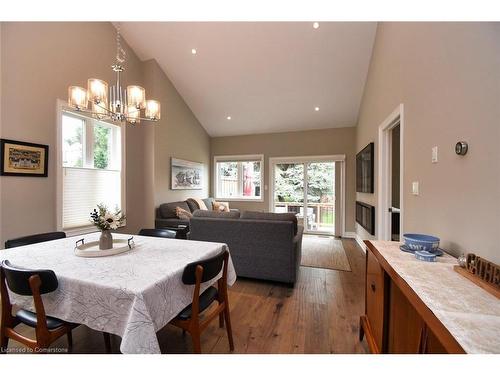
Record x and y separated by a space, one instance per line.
91 168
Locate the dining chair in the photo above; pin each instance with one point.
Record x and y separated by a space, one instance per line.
35 238
164 233
30 283
195 274
33 283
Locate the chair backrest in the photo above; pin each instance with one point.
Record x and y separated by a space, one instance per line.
35 238
211 268
18 279
164 233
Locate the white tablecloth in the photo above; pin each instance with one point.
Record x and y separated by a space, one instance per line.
132 295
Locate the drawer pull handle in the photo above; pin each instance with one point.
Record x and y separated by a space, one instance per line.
372 286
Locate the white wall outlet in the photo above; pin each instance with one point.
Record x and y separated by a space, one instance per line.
435 154
414 188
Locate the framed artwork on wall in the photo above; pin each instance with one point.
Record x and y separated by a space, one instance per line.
186 175
23 159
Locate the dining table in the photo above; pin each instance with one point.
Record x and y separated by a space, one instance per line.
133 294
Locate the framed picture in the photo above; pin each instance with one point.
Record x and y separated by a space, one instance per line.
23 159
186 175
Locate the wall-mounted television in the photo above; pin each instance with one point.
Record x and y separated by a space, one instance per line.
365 169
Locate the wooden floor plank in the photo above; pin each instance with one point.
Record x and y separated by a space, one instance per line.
319 315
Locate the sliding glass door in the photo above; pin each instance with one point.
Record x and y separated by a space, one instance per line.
306 189
320 197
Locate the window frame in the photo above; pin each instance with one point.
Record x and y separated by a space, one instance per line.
238 159
61 109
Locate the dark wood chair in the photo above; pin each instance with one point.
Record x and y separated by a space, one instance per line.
35 238
195 274
30 283
47 329
164 233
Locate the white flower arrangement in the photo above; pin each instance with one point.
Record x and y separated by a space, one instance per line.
106 220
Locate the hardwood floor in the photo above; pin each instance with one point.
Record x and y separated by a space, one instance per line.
319 315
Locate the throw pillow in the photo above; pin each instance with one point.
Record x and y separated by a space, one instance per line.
221 206
183 214
201 204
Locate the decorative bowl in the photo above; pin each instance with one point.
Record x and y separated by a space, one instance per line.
425 256
421 242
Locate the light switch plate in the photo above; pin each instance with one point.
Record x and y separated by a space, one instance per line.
435 154
414 188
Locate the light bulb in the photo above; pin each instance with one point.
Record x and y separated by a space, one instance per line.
153 109
77 97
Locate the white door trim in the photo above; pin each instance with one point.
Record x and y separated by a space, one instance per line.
310 159
384 168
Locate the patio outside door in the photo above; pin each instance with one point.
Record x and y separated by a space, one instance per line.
306 189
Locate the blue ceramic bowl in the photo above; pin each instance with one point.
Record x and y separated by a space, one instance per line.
421 242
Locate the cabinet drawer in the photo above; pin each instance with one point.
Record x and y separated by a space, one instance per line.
375 298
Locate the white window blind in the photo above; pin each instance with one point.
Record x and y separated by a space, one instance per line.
91 169
83 189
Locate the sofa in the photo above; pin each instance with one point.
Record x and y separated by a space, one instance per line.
165 213
264 246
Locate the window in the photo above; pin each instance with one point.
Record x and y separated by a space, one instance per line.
91 169
239 177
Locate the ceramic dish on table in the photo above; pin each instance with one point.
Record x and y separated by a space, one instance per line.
420 242
438 252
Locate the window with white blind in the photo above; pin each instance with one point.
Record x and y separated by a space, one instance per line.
239 177
91 169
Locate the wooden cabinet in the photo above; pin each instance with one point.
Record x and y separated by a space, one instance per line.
395 319
375 301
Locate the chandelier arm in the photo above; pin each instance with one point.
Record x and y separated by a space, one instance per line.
129 119
87 111
106 109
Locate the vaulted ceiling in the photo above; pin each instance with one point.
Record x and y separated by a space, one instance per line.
264 76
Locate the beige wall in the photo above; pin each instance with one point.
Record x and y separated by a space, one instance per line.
178 134
447 75
38 62
302 143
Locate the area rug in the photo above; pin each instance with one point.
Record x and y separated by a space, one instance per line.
324 252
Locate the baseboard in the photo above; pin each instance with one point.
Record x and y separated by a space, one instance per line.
360 242
349 235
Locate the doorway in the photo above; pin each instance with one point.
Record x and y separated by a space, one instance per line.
306 186
390 177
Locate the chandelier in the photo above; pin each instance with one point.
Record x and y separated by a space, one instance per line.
114 103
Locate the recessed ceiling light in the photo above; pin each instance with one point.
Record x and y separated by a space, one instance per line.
316 25
193 51
228 117
316 109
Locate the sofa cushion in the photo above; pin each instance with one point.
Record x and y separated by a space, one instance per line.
221 206
183 214
209 202
167 210
193 205
255 215
217 215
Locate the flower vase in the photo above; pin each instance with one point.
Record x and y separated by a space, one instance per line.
106 240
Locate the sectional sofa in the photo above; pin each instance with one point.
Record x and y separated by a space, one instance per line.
263 245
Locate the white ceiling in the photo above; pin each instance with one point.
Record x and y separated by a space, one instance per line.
268 76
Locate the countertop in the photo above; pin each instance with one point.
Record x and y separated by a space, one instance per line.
469 313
